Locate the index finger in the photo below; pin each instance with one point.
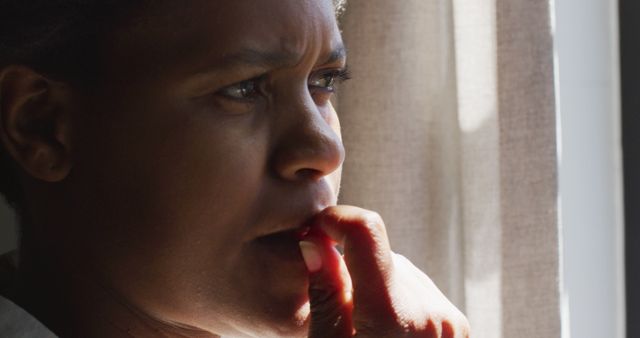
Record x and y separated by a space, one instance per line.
368 258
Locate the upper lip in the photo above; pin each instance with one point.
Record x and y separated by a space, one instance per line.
295 214
297 227
296 232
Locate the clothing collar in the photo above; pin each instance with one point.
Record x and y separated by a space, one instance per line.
15 322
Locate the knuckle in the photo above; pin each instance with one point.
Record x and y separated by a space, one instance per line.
460 320
373 223
373 218
464 328
401 260
433 327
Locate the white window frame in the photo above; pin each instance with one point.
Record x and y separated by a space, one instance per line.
590 168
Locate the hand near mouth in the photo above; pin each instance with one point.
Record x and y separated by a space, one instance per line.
370 291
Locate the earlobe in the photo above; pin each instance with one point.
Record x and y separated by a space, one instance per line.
34 123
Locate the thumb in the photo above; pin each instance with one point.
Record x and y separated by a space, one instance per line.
329 289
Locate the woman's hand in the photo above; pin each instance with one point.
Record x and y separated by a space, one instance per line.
370 291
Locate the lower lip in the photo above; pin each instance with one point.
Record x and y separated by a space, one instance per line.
283 246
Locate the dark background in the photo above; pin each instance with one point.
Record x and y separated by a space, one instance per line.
630 75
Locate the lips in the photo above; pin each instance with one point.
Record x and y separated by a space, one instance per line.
295 234
296 224
288 208
282 245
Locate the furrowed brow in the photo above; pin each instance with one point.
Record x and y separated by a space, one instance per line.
259 58
337 54
252 58
267 59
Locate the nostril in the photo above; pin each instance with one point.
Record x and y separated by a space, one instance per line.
309 158
308 174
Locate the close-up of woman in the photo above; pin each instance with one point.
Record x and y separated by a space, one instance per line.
175 168
319 168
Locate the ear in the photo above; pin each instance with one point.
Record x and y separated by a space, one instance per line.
35 122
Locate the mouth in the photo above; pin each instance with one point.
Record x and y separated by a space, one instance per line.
296 234
295 227
282 245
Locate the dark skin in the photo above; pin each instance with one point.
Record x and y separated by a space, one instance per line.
170 200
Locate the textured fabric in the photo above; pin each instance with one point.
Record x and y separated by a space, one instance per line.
16 323
449 126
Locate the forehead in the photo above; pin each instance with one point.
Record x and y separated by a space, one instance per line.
192 33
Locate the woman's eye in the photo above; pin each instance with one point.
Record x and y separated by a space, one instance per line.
327 80
241 91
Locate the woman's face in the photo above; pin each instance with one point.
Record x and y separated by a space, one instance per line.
210 142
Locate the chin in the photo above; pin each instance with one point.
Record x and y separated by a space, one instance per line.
296 325
299 329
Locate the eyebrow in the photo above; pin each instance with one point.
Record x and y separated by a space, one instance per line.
266 59
337 54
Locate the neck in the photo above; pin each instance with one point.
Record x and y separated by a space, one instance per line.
74 303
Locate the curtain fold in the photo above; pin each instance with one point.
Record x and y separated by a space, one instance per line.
449 126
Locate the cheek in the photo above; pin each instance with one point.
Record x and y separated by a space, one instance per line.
169 193
335 177
205 176
170 180
331 116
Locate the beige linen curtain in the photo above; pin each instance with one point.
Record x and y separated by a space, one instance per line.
449 125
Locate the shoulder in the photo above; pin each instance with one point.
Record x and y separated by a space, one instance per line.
14 321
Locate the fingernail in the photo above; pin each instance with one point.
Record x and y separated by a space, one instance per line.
311 255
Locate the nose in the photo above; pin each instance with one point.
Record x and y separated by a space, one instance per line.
309 146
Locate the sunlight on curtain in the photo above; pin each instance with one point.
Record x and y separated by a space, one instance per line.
449 126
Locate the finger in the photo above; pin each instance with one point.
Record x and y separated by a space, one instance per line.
368 259
329 288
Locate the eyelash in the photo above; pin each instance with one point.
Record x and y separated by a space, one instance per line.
249 89
339 75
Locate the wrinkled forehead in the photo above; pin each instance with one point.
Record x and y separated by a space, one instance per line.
200 30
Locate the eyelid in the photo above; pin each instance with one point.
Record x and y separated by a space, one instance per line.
338 75
257 88
342 73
